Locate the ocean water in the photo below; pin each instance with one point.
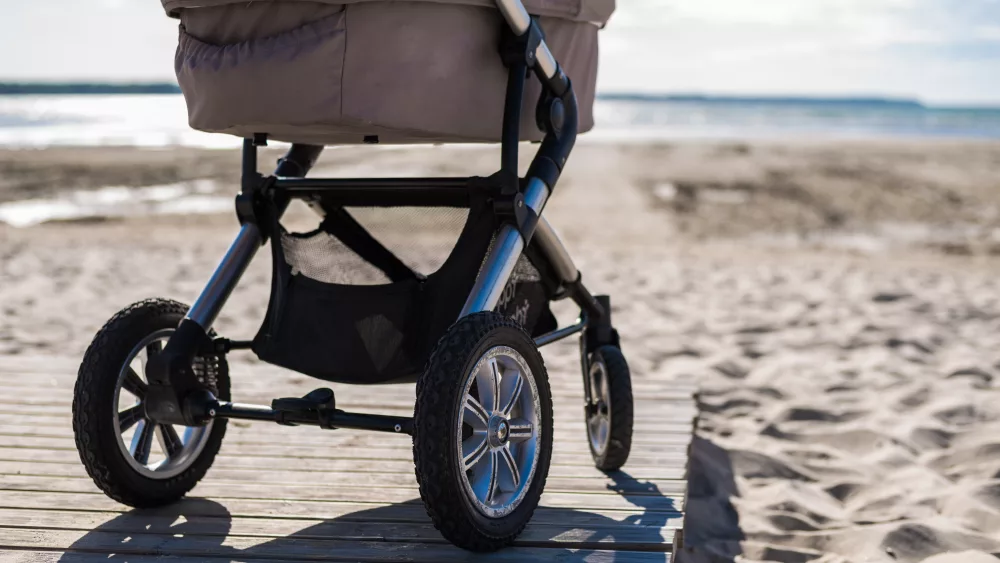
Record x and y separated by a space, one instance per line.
159 120
625 117
94 120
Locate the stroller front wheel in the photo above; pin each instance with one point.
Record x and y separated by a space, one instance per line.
482 439
609 412
131 458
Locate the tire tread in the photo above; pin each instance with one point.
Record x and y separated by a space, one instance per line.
622 412
94 438
436 390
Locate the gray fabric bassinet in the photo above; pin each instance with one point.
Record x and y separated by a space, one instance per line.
336 71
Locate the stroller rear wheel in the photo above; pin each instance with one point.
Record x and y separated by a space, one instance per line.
609 411
482 439
132 459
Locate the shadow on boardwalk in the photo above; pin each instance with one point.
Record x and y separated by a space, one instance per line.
201 529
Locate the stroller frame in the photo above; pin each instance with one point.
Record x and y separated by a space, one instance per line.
175 396
482 425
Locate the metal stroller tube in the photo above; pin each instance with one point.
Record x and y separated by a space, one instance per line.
519 20
230 270
296 163
554 250
503 256
513 11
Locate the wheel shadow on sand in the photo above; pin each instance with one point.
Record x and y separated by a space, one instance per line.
202 529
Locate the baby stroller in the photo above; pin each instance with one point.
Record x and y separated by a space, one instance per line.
153 393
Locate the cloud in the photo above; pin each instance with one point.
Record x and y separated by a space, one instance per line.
939 50
893 47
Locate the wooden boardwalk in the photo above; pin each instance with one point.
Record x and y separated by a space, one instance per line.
292 494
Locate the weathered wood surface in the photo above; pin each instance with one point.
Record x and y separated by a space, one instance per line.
299 494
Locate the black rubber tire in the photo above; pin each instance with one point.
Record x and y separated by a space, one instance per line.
619 445
439 397
93 403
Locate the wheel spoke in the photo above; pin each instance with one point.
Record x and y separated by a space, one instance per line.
474 414
595 426
488 383
599 427
133 383
511 465
596 384
510 392
128 417
171 442
153 349
473 450
486 478
142 442
520 430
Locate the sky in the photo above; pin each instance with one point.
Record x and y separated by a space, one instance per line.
939 51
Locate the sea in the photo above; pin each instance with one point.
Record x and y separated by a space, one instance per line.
156 116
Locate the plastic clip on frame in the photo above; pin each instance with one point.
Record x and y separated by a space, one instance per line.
174 395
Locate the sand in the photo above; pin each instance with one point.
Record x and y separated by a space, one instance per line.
838 304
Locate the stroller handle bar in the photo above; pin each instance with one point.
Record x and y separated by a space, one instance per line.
517 17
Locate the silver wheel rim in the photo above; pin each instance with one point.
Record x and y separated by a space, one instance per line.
156 451
599 423
498 431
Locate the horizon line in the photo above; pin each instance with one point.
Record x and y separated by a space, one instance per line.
141 87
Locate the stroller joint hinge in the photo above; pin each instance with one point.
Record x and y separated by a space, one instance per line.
600 331
254 202
520 49
175 393
513 209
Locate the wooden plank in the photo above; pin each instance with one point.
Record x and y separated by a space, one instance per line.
258 434
47 401
289 548
564 368
55 556
323 466
632 537
409 511
647 430
277 381
356 452
62 390
667 415
347 493
237 439
619 482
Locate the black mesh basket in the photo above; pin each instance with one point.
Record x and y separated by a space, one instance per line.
346 308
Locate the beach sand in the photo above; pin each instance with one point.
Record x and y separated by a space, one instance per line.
838 304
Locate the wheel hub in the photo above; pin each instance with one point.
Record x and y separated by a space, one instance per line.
498 432
154 450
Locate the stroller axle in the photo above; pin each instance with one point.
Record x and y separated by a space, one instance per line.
324 418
